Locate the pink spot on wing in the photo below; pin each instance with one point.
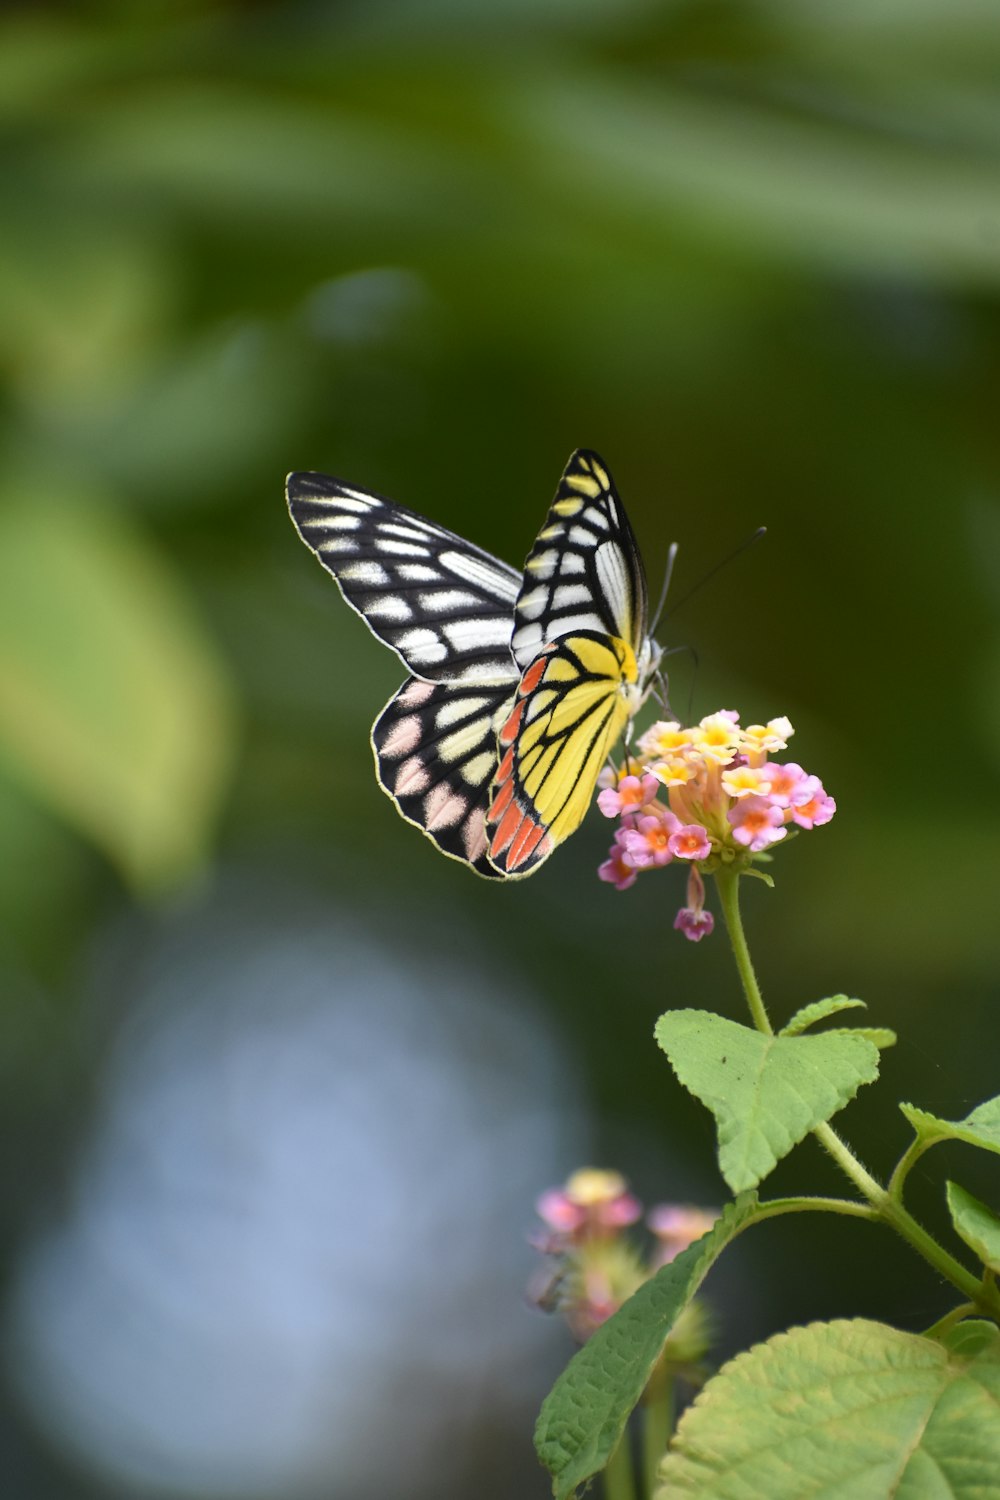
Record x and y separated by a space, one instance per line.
415 694
412 777
474 838
442 808
403 736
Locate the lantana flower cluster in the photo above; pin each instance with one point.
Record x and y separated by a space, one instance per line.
595 1265
707 795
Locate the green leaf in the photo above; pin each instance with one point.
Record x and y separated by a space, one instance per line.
114 710
980 1128
848 1409
583 1417
977 1225
879 1036
766 1092
818 1011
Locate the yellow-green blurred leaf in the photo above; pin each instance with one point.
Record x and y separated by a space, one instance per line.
114 709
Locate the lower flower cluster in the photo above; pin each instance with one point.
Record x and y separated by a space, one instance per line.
595 1266
707 795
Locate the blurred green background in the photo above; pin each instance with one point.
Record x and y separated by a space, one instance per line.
278 1083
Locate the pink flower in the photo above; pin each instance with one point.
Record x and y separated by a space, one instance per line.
690 841
756 823
694 924
631 794
811 803
677 1226
647 842
782 782
614 869
593 1201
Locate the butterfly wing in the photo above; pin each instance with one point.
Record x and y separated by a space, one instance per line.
568 713
584 572
444 606
436 756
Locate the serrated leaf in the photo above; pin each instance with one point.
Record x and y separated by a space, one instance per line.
114 709
766 1092
584 1415
853 1410
818 1011
976 1224
980 1128
879 1036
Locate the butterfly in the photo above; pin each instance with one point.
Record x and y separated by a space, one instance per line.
520 682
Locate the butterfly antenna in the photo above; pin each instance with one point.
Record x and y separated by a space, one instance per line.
671 556
743 546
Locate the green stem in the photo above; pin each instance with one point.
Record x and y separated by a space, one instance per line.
885 1207
773 1208
908 1160
618 1476
657 1425
728 881
944 1325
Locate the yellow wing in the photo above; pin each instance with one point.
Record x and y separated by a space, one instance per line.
573 702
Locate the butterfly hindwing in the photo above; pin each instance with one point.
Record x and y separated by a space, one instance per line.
584 572
436 756
444 606
569 710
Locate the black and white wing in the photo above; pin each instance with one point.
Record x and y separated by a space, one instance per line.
435 747
443 605
584 572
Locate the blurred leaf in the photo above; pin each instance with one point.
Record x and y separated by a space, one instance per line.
113 707
766 1092
847 1408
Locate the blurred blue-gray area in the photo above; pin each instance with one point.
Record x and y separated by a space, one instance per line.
279 1084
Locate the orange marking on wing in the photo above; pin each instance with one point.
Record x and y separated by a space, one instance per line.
529 835
500 802
507 829
509 731
506 767
532 676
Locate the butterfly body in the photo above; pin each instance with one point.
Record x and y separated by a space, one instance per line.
520 683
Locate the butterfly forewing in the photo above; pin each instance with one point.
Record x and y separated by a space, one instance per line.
568 713
584 572
435 750
444 606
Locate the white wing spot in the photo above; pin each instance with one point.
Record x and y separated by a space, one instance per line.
347 501
571 593
419 573
581 536
454 709
337 544
404 549
388 607
612 571
530 606
472 570
422 646
333 523
572 562
409 533
437 601
364 572
473 635
543 563
474 837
